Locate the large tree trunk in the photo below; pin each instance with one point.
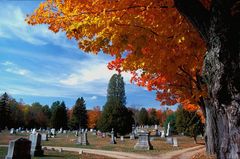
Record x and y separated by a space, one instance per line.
219 27
210 129
222 74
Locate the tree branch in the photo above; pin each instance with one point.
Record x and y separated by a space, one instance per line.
197 14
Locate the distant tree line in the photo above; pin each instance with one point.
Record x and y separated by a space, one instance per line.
15 114
115 114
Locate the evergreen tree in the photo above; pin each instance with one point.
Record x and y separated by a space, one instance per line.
189 123
4 111
115 114
79 115
59 115
47 112
143 117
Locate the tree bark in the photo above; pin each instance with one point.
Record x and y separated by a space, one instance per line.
221 72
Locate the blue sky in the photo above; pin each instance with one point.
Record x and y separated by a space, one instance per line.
38 65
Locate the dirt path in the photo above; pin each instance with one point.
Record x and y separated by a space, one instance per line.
178 154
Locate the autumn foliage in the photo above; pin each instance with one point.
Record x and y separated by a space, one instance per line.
93 116
149 38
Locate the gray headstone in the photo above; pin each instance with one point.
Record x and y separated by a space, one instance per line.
132 136
36 147
79 139
169 140
44 137
143 142
19 148
84 139
113 141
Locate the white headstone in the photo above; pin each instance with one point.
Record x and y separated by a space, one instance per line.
12 131
122 138
175 142
168 130
34 131
162 134
36 147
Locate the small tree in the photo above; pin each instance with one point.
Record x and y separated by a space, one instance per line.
79 115
189 123
115 114
93 117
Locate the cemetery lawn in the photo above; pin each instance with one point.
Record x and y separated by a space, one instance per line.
69 140
56 155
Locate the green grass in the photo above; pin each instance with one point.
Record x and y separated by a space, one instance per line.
57 155
3 152
159 144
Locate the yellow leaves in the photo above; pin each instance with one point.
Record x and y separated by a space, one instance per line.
181 39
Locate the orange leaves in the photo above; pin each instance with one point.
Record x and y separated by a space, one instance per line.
161 50
93 116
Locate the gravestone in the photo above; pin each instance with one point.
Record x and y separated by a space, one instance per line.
162 134
155 127
84 139
122 138
168 130
65 131
113 141
44 137
156 132
12 131
60 131
76 133
34 131
36 147
175 142
169 140
19 149
79 139
132 136
53 132
143 142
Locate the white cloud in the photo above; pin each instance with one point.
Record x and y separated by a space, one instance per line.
15 69
91 71
93 98
13 25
